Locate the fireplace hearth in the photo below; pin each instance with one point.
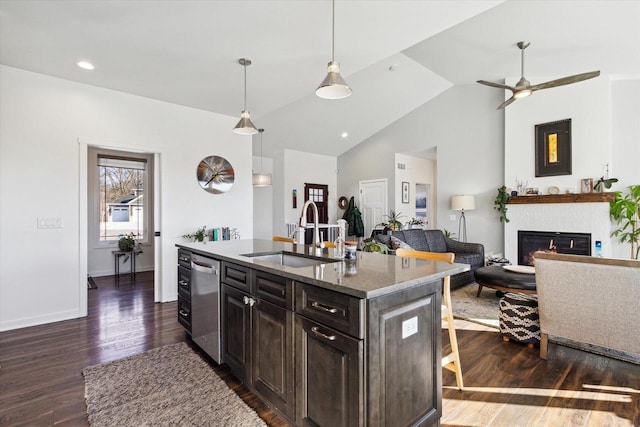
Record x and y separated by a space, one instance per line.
530 242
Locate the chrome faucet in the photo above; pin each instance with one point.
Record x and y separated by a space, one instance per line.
303 224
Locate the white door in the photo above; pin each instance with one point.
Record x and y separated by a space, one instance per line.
373 203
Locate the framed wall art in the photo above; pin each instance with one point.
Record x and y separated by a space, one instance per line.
553 148
405 192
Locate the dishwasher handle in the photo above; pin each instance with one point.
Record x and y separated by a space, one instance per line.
203 268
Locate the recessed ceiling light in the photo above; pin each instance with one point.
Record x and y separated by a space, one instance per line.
344 134
85 65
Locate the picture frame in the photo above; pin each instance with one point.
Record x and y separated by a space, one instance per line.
553 148
586 185
405 192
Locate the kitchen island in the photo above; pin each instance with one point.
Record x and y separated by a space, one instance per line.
329 342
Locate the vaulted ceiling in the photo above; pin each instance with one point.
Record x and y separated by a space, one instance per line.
395 54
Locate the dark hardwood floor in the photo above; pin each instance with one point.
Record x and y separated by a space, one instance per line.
506 384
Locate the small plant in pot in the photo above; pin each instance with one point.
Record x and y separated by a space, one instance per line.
625 211
606 183
394 222
415 223
198 236
128 243
375 246
500 203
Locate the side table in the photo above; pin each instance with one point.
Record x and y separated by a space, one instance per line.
116 263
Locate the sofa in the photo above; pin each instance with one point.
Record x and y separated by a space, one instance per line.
436 241
590 303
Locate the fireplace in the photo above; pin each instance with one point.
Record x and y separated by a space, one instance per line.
551 241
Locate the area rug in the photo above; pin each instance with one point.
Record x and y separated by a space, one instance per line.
483 310
166 386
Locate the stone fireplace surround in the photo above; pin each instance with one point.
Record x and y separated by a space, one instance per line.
569 215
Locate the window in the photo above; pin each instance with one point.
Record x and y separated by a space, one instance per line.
121 196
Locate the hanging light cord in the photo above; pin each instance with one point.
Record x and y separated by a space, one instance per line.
245 86
333 29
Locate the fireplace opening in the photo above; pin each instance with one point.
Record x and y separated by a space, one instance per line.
529 242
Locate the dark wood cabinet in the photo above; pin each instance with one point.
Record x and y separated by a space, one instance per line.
236 331
329 373
273 355
184 289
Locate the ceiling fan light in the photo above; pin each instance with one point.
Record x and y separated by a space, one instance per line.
261 179
333 86
522 93
245 126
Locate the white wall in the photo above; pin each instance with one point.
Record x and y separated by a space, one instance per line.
417 170
292 169
605 130
262 202
41 121
588 106
468 131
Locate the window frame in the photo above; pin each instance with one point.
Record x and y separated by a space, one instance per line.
93 224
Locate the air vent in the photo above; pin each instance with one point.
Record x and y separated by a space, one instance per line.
402 166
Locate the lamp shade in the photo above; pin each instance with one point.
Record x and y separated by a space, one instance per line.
261 179
463 203
333 86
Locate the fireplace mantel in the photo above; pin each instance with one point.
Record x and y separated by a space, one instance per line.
563 198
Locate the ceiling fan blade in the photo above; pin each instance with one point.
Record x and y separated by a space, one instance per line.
498 85
507 102
566 80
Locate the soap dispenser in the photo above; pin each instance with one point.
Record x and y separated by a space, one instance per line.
338 251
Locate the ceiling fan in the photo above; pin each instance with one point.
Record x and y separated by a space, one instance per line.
523 88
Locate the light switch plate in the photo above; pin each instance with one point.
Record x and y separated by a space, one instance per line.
452 217
409 327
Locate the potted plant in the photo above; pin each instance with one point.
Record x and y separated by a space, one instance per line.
375 246
394 222
604 182
449 234
197 236
415 223
500 203
625 211
128 243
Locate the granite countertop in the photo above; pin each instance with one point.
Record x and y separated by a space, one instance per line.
370 275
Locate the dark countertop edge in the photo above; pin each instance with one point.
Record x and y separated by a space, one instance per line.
453 269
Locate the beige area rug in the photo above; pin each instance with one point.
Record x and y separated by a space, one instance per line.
483 310
166 386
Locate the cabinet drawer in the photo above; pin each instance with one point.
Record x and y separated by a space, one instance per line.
274 289
184 258
184 282
236 276
184 312
342 312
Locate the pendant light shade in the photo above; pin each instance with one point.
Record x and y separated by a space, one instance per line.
333 86
261 179
245 126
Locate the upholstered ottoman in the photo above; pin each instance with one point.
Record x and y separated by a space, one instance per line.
500 279
519 318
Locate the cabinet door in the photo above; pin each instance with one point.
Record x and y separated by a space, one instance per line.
236 335
329 374
273 355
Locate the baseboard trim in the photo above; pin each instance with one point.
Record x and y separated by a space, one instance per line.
39 320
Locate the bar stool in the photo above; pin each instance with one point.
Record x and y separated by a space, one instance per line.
452 360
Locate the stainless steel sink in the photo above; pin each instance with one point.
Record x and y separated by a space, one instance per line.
289 259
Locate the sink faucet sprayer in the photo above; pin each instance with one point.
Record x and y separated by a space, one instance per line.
303 224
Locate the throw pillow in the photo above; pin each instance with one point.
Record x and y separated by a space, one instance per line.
398 244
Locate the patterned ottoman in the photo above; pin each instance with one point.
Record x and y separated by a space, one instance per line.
519 318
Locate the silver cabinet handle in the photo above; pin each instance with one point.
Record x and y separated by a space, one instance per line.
251 302
183 283
246 300
323 307
203 268
185 259
316 331
184 313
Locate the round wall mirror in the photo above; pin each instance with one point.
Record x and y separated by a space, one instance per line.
215 174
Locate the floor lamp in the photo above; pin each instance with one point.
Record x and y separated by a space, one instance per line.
462 203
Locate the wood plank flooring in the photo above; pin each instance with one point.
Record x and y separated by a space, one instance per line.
506 384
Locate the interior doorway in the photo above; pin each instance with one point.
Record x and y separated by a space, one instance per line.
373 203
120 199
423 204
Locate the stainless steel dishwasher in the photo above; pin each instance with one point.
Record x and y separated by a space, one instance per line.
205 305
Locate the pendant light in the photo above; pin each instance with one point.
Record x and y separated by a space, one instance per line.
245 126
333 86
261 179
